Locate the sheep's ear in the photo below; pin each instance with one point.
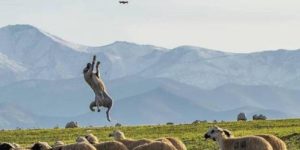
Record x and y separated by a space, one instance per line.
227 132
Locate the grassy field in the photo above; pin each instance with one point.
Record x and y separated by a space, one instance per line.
191 134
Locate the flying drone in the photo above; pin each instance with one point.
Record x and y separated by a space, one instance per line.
123 2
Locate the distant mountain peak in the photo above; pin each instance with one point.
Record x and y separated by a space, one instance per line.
20 27
123 43
132 44
15 29
196 48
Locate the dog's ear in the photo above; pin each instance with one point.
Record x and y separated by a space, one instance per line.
227 133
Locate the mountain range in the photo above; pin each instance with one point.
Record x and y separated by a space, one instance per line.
42 84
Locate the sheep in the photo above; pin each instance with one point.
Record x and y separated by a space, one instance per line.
58 143
11 146
156 145
92 138
41 146
76 146
82 144
241 143
113 145
81 139
275 142
6 146
177 143
16 145
129 143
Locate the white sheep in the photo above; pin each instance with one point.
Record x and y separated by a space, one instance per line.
240 143
41 146
92 138
6 146
156 145
17 146
58 143
113 145
76 146
81 139
129 143
177 143
275 142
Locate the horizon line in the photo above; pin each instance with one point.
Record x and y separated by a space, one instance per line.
145 44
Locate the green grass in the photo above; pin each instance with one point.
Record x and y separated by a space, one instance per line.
190 134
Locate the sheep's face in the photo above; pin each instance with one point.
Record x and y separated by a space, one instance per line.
118 135
81 139
215 133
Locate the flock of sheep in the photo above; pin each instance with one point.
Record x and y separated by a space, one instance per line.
91 142
223 137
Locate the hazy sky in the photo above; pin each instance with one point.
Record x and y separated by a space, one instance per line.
231 25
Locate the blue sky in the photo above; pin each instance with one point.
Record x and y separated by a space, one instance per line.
230 25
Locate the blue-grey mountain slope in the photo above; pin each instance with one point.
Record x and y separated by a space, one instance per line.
42 74
148 101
